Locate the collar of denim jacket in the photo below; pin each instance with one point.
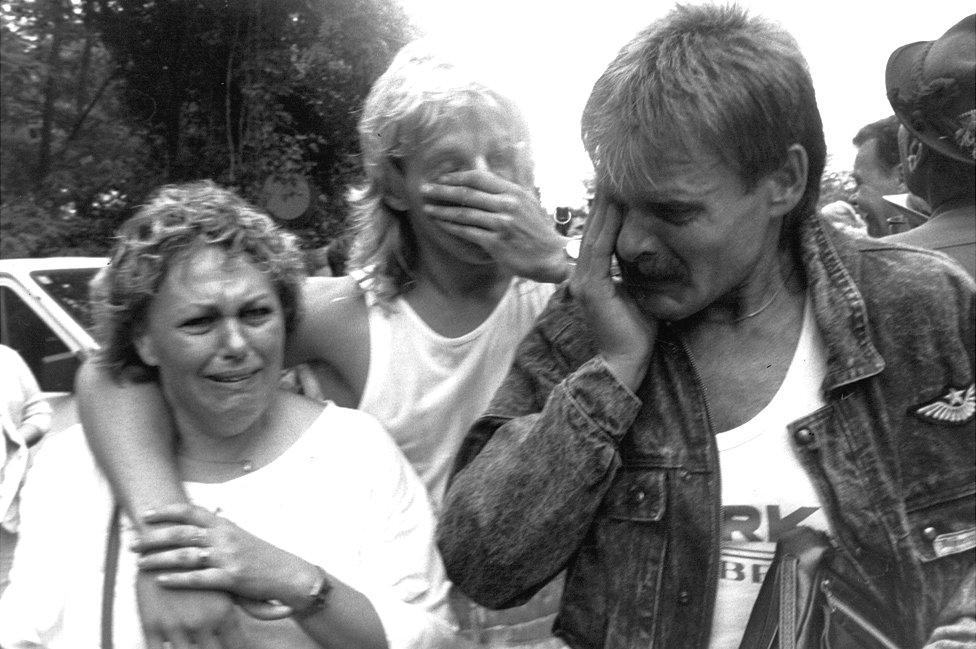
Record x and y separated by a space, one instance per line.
839 308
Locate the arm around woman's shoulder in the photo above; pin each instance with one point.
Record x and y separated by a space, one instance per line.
333 330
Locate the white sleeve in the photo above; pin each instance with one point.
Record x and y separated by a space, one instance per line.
36 409
408 583
32 606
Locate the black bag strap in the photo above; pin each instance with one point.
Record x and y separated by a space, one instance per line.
786 594
111 572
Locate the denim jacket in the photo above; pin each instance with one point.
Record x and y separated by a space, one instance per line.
570 469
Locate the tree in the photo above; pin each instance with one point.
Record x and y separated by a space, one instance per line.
835 186
68 156
244 91
105 99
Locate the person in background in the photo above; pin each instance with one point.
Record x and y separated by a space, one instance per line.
842 214
932 87
306 513
24 417
750 372
877 173
452 260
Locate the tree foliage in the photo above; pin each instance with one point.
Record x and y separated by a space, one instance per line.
105 99
835 186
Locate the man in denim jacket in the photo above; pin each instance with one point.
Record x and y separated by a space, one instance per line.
737 313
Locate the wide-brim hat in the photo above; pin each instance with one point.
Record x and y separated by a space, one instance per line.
932 87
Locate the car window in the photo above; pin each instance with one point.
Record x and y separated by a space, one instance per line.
49 359
69 288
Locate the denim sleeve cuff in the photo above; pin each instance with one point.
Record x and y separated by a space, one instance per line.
601 398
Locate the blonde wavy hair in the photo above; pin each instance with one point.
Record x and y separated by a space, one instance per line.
419 96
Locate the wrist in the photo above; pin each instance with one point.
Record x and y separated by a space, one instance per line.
558 264
629 370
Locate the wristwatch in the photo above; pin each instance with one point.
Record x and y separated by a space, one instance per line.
316 599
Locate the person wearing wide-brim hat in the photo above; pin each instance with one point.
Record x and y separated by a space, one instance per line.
932 87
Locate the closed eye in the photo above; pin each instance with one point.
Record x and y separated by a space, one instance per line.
198 324
256 315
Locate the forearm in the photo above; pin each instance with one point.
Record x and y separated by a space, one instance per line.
347 620
129 431
518 511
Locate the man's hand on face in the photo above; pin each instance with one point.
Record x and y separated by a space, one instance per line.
502 217
624 336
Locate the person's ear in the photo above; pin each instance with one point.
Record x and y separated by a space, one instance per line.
788 183
915 155
395 187
146 349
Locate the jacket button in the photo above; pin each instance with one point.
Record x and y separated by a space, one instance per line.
684 598
804 436
639 495
930 533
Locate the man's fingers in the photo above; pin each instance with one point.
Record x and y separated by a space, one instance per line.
465 196
466 216
475 235
479 179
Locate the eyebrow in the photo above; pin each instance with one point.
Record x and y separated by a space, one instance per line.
247 299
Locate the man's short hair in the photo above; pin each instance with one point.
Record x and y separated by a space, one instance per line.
706 76
415 101
885 131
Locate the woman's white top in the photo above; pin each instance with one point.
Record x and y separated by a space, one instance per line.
428 389
342 497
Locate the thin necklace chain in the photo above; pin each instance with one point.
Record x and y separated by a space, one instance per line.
245 464
769 302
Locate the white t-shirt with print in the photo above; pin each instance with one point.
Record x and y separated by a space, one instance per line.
765 491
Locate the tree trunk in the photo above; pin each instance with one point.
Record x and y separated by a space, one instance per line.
81 88
228 79
50 91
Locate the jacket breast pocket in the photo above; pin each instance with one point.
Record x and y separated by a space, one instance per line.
945 526
638 495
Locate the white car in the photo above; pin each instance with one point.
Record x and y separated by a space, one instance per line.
44 315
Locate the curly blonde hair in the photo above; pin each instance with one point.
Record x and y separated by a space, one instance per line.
176 221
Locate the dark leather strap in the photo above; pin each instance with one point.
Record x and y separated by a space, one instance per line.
108 583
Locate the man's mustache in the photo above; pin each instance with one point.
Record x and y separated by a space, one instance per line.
648 268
